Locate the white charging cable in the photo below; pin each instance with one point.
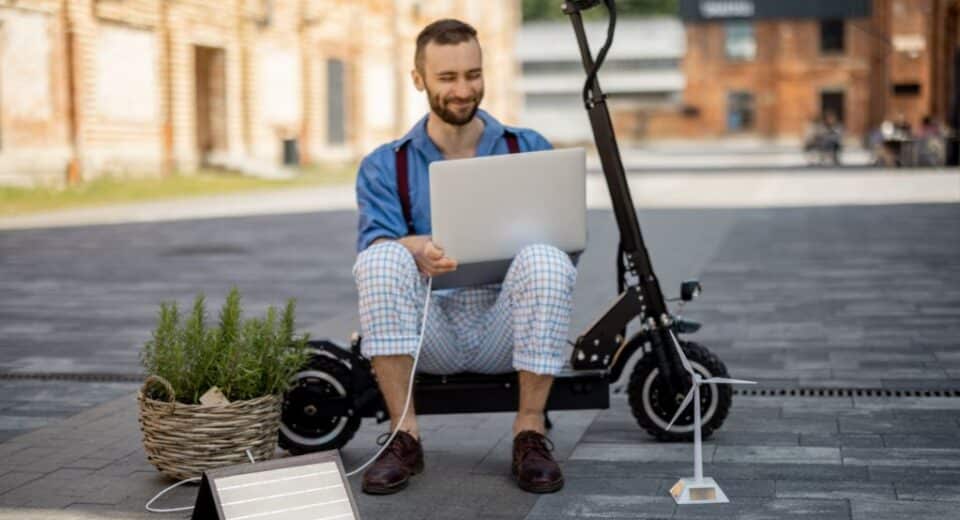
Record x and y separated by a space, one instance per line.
413 373
406 405
182 482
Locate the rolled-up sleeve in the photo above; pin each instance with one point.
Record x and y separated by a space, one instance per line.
380 213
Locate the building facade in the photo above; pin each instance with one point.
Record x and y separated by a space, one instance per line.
141 87
767 68
641 73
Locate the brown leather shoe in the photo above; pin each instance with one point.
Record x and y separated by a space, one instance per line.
533 466
392 469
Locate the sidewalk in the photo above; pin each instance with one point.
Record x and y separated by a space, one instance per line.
725 155
764 188
824 458
852 297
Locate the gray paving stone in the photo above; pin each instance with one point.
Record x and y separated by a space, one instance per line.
603 469
639 453
912 474
816 472
602 506
818 264
6 435
629 485
898 510
88 463
802 425
723 437
23 422
84 510
908 403
919 457
776 455
852 440
14 479
760 509
835 490
944 424
942 441
928 492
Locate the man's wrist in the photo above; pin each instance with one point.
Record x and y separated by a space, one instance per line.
408 241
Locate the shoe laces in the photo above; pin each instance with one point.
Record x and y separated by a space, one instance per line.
396 446
536 443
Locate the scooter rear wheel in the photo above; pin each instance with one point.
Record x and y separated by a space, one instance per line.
305 424
653 406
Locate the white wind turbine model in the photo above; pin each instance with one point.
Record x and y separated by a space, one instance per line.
699 489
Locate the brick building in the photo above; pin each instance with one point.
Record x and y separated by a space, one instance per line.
766 68
92 87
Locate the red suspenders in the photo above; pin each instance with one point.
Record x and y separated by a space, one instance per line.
403 182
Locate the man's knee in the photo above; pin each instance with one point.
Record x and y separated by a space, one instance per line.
546 265
385 259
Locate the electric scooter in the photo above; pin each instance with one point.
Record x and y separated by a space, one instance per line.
338 388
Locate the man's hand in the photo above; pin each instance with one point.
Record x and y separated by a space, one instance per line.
429 257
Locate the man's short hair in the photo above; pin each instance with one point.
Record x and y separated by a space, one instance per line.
442 32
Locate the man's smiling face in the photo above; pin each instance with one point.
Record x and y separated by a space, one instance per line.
452 76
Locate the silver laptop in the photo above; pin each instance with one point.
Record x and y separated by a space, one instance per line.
486 209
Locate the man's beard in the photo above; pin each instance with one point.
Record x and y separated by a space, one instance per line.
440 107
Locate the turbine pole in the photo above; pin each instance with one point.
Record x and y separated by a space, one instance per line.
697 441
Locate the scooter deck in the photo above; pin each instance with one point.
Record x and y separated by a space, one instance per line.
480 393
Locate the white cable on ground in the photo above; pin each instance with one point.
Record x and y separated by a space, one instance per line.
413 372
172 509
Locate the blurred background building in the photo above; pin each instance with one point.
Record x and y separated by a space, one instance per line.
751 69
768 67
642 73
94 87
140 87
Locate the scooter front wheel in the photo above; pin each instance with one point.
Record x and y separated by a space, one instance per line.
653 405
306 424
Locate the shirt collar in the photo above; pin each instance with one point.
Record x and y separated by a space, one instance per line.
493 130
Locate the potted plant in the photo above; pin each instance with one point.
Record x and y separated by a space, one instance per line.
213 392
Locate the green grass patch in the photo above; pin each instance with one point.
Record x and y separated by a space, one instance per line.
104 191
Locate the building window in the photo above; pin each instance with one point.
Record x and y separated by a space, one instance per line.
906 89
740 111
831 37
831 103
740 42
336 103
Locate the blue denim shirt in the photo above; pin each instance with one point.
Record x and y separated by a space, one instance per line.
379 204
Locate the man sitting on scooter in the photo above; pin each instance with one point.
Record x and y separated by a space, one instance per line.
520 324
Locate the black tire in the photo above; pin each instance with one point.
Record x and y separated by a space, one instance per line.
303 427
646 393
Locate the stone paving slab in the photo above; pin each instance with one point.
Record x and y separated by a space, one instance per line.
472 482
793 297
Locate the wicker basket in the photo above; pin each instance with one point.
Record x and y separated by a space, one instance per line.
184 440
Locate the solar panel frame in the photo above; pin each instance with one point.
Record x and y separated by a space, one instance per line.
324 468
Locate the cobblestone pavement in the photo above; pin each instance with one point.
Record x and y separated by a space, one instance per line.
840 297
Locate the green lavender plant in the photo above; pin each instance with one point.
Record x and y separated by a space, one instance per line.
244 358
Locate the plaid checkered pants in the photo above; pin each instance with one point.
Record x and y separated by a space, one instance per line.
518 325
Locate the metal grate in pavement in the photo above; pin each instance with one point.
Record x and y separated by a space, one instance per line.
844 392
753 392
92 377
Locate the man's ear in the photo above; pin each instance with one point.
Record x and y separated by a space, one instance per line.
417 79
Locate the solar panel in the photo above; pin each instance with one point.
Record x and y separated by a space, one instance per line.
308 487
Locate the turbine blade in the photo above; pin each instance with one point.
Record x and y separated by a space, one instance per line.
728 381
683 357
683 406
